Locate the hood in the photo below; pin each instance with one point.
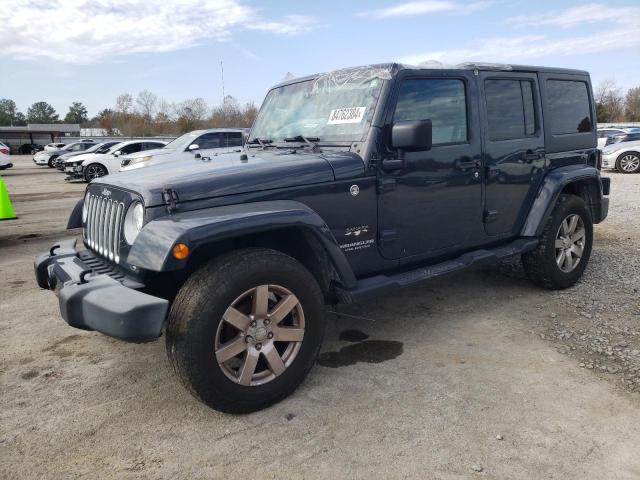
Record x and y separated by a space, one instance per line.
615 147
89 157
228 174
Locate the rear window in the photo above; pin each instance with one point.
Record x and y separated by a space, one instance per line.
568 109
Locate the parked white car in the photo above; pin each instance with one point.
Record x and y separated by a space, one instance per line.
196 144
623 156
5 159
604 133
98 165
47 157
50 147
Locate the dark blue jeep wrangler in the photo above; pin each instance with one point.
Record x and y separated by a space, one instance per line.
352 183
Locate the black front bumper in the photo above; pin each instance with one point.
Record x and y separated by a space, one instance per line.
95 296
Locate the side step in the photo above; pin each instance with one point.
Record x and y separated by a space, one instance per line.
367 287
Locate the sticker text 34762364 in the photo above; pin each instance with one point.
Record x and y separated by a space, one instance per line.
346 115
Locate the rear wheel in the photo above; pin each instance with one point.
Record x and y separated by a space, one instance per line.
94 170
628 162
565 246
245 329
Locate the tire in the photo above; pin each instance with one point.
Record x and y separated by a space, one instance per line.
94 170
50 162
196 328
543 265
628 162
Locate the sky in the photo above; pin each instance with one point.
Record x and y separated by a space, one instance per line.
91 51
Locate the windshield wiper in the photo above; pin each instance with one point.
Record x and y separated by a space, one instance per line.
263 142
311 141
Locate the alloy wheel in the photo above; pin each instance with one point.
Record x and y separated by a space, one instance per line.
570 242
260 335
94 171
630 163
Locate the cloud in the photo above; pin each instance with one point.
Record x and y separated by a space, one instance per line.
583 14
290 25
90 31
424 7
623 32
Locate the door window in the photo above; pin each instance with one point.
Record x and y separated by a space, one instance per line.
569 110
131 148
210 140
234 139
443 101
510 109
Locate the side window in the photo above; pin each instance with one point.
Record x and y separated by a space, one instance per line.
131 148
568 109
234 139
510 109
152 145
77 147
210 140
443 101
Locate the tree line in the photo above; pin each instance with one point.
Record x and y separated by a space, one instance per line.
146 114
614 105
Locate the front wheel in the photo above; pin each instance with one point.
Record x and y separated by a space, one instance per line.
94 170
565 246
245 329
628 162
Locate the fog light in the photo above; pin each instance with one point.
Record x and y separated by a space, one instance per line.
180 251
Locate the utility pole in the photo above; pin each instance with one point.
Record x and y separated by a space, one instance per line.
222 73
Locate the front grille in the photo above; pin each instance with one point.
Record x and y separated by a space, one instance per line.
103 226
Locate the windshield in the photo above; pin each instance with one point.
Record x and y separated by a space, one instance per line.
116 147
183 141
336 106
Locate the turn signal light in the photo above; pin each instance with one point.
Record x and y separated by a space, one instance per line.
180 251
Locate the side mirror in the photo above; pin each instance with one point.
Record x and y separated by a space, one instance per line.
412 135
193 146
118 153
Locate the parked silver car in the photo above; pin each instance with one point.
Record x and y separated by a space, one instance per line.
623 156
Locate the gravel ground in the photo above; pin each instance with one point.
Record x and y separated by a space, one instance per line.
476 375
597 322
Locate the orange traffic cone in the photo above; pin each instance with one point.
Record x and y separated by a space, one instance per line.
6 211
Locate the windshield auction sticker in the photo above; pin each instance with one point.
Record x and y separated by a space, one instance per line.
346 115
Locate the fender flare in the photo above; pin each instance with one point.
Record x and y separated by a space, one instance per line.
152 248
552 185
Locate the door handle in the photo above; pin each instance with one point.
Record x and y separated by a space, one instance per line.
466 165
529 156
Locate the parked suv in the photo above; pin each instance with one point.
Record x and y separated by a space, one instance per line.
352 184
196 144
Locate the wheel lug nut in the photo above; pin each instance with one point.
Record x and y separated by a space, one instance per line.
258 346
266 321
270 335
253 323
248 338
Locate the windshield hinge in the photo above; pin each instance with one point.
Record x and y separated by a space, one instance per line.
170 198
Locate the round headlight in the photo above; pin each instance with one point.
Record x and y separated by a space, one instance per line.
133 221
85 208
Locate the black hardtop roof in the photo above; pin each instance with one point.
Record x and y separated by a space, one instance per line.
393 68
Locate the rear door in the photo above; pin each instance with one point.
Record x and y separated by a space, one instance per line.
514 157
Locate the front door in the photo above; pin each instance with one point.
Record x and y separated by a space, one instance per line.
433 204
514 148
